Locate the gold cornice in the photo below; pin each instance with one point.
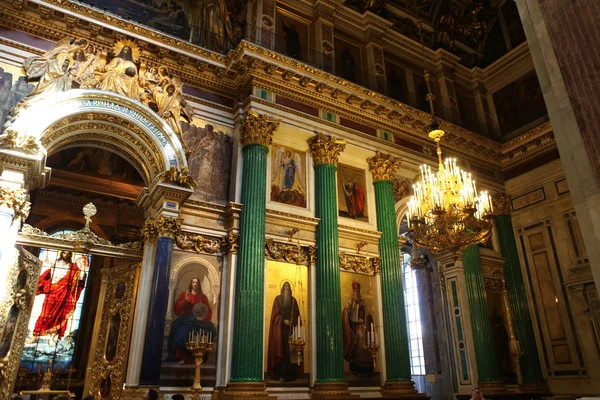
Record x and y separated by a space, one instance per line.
258 129
383 167
325 149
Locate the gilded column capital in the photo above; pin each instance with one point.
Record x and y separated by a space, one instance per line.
502 204
325 149
16 200
383 167
161 226
258 129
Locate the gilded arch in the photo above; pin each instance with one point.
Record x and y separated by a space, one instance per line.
107 120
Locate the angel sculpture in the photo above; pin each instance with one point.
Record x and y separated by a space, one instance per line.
171 105
287 171
85 63
53 69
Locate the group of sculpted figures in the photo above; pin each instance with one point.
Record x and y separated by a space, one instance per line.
76 63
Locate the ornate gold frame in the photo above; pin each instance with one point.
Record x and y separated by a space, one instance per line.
23 300
112 305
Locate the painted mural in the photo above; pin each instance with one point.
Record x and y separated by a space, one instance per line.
215 24
286 317
193 309
519 103
209 160
352 193
288 183
53 327
360 324
95 162
13 88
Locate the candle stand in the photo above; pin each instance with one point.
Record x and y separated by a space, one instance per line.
199 345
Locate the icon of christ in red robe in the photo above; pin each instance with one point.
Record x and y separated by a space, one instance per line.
62 286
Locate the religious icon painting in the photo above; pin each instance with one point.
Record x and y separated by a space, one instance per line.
359 326
288 183
193 313
352 193
52 332
287 349
8 331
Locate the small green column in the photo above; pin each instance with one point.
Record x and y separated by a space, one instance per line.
330 378
531 368
397 353
487 365
247 359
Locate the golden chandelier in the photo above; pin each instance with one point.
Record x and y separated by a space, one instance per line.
445 212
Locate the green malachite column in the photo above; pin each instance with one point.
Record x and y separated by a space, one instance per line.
397 356
330 353
247 359
487 365
517 297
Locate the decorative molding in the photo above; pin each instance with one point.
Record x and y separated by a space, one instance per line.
287 252
16 200
325 149
258 129
562 186
359 264
14 140
383 167
528 199
161 226
201 243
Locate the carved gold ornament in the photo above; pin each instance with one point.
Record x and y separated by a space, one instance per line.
383 167
161 226
11 139
494 285
201 243
232 243
16 200
362 265
179 177
325 149
258 129
502 204
286 252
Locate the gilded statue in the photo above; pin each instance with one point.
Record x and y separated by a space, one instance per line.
78 64
121 73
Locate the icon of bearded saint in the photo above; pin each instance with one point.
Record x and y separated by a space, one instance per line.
282 363
355 323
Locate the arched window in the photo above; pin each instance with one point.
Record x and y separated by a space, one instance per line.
54 321
413 317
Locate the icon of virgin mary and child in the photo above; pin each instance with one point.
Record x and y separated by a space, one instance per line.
193 315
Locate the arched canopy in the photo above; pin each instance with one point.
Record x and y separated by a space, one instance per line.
95 118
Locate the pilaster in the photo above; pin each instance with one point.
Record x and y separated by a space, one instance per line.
375 65
246 378
323 34
445 79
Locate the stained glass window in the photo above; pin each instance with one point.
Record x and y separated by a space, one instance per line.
413 317
54 321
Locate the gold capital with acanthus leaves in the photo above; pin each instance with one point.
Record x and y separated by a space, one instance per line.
502 204
16 200
258 129
383 167
161 226
325 149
